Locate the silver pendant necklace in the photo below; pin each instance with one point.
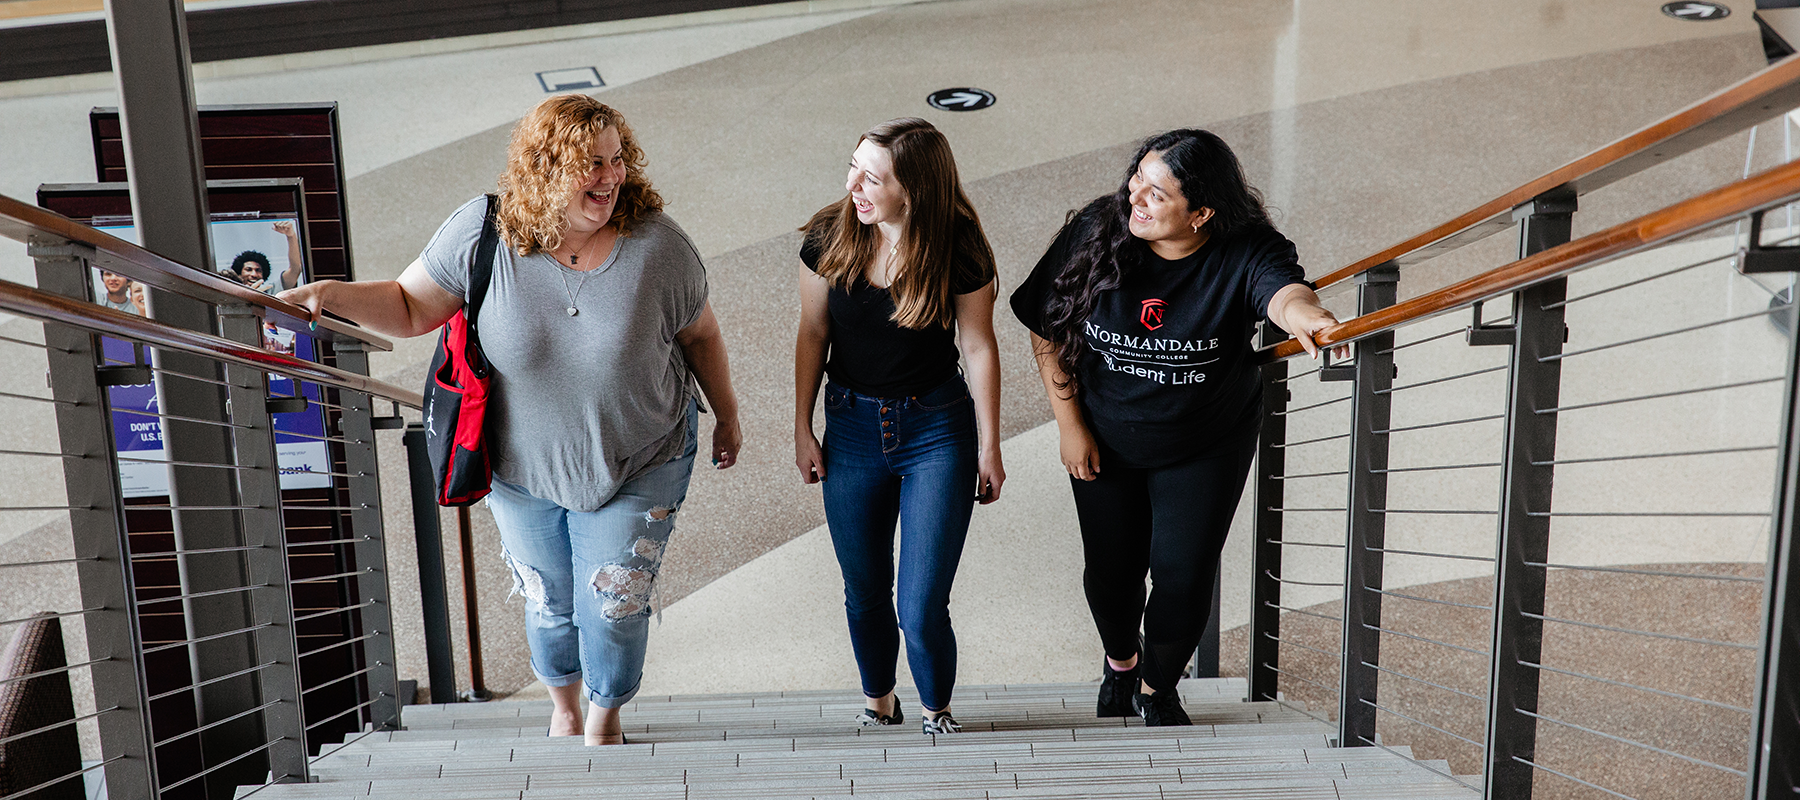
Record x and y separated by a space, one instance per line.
572 295
574 259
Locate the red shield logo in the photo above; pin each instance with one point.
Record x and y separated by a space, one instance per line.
1152 314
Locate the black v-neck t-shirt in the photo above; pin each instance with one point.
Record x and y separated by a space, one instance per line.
1167 373
871 354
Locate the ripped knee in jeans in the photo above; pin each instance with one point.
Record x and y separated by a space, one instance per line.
660 514
527 581
624 586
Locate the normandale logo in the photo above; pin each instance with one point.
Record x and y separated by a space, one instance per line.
1152 314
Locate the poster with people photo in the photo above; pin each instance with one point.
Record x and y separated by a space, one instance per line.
266 255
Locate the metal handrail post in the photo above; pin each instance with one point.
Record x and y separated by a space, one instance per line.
1265 546
1534 384
1774 768
478 691
168 202
360 461
266 563
1371 409
428 537
97 529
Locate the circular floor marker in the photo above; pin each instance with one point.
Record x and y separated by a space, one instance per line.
960 99
1696 10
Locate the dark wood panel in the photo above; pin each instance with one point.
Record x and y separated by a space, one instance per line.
324 234
237 122
321 179
74 48
259 150
263 141
329 263
327 205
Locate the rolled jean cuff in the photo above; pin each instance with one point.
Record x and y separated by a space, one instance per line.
557 683
611 702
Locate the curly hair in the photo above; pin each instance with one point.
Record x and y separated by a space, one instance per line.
943 229
237 264
550 158
1104 250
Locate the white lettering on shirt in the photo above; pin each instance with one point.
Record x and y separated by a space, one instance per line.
1139 355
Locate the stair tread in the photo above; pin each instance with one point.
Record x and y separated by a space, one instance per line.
1021 742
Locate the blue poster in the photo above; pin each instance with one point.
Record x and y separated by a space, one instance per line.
263 254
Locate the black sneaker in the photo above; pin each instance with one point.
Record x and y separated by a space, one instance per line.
1116 689
1161 709
870 717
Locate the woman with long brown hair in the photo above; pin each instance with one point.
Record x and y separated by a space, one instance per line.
600 339
1141 314
899 281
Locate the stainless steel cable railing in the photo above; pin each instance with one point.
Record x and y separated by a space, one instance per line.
1562 530
234 616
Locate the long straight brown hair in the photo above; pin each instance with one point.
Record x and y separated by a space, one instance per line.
936 235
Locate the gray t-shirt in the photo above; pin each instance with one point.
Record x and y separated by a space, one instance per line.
581 404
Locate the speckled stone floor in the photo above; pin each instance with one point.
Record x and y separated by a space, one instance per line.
1363 121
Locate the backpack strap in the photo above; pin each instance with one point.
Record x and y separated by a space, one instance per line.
481 273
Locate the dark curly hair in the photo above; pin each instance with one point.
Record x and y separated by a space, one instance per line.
1104 250
237 264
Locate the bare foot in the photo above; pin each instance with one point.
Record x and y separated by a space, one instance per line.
565 713
603 726
565 723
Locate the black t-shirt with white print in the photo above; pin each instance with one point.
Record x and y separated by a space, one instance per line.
1167 374
871 354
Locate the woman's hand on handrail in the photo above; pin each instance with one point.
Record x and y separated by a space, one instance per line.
1296 309
411 305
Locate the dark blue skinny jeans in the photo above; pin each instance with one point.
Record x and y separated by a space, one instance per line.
910 459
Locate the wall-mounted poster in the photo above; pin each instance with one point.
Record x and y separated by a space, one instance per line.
263 253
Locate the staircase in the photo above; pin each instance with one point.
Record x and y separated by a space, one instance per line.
1018 742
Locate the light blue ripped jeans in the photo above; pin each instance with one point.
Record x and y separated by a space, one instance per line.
595 628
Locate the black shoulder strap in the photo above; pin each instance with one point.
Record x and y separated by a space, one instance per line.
482 271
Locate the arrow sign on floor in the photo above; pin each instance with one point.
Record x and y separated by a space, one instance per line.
1696 11
960 99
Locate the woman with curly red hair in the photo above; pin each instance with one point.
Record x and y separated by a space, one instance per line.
600 339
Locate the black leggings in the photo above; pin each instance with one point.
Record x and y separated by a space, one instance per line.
1171 523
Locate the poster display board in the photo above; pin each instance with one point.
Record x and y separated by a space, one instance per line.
264 254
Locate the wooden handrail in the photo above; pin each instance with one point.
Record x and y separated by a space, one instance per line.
25 222
1742 105
1697 213
30 302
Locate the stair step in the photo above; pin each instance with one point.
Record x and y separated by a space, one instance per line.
1028 742
691 770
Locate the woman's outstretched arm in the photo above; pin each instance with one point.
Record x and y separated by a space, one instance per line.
411 305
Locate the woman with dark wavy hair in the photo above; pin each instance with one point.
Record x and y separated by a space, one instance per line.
600 340
1141 315
898 282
